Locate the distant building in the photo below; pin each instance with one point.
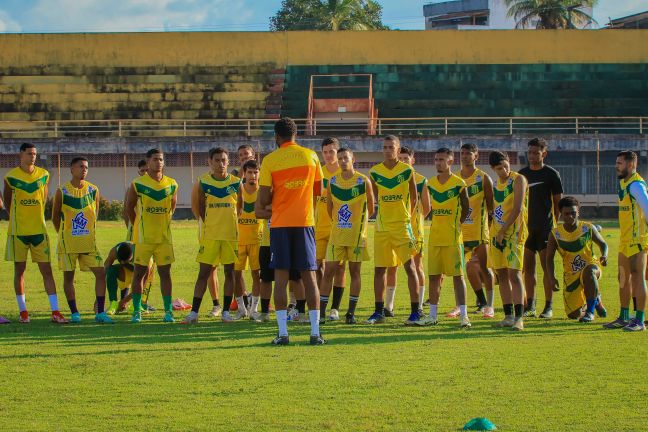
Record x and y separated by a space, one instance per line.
636 21
471 15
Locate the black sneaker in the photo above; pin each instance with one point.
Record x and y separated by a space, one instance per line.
388 313
281 340
350 319
317 340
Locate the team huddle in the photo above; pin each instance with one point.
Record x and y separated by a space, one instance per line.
299 224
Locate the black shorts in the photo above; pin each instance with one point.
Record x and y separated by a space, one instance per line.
537 240
266 273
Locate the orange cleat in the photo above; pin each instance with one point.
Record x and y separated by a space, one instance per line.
24 317
58 318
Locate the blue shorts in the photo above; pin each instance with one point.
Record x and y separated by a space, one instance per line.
293 248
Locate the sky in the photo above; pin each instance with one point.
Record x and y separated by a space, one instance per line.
42 16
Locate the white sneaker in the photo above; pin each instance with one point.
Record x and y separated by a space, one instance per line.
216 311
454 313
293 315
227 318
489 312
465 322
192 318
304 319
334 315
262 317
241 314
508 321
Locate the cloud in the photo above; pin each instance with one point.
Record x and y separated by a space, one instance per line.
7 24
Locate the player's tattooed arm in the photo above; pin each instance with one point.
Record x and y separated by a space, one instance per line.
551 253
426 204
600 242
488 197
465 204
56 210
371 200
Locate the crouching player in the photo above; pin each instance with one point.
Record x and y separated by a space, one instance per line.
349 197
573 240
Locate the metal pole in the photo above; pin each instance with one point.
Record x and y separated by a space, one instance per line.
576 125
445 125
511 126
124 170
598 171
191 163
58 156
640 125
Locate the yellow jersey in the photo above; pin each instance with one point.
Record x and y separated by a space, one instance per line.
221 221
350 214
631 219
475 227
249 227
154 209
418 223
27 212
393 195
322 219
79 208
503 199
445 229
576 248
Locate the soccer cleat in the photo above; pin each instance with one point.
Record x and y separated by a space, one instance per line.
75 318
547 313
180 304
489 312
136 318
280 340
426 302
227 318
241 315
587 318
303 319
148 308
4 320
413 319
635 325
334 315
168 317
376 318
114 306
103 318
479 309
317 340
192 318
600 309
262 317
454 313
388 313
529 313
24 317
216 311
465 322
518 324
616 324
427 321
350 319
508 321
57 318
293 314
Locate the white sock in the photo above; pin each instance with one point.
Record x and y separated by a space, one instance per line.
314 316
255 304
282 322
462 310
490 297
433 311
53 300
241 304
389 298
21 302
421 294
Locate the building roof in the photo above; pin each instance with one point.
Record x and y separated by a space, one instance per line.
635 21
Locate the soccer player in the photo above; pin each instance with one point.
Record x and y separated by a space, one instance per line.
245 153
633 217
3 320
249 233
74 215
475 229
291 176
395 190
213 201
25 192
545 190
574 239
350 196
155 196
331 168
120 276
508 233
406 156
450 206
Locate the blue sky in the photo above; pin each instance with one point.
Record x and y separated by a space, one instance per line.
204 15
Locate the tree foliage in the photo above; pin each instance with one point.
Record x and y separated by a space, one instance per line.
331 15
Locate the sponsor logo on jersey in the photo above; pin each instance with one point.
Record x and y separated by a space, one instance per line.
29 202
295 184
220 205
156 210
392 198
442 212
79 224
344 215
578 264
499 215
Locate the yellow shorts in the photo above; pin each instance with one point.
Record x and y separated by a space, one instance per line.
446 260
507 256
67 261
347 253
248 253
321 246
37 245
162 254
128 279
629 250
215 252
574 292
392 247
420 246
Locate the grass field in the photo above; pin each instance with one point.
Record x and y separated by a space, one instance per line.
554 376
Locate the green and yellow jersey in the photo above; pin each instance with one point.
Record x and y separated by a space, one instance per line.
475 227
249 227
418 224
393 195
322 219
221 221
350 213
79 208
504 198
632 222
576 249
27 212
154 209
445 229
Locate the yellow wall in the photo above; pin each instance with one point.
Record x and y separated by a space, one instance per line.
312 48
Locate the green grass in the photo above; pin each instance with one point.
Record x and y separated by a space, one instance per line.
555 376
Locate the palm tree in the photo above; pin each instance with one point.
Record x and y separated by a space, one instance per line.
551 14
348 14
